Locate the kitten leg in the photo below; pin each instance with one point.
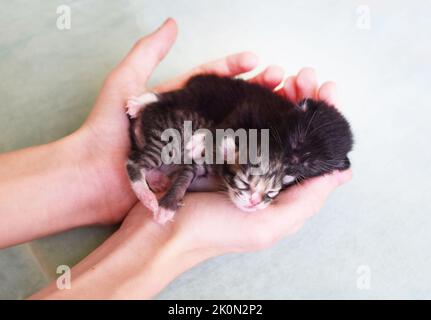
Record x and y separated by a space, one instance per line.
170 202
136 104
142 164
139 184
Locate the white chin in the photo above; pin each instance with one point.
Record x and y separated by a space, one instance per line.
240 205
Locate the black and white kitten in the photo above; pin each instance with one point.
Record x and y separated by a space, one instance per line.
305 140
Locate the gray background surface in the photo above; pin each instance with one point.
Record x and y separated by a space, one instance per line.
378 225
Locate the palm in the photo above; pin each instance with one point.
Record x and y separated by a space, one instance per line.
211 222
224 228
106 131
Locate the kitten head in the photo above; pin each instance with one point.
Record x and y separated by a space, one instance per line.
252 186
318 139
308 141
249 191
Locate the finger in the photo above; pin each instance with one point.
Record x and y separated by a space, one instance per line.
229 66
146 54
303 200
289 89
270 78
306 84
328 93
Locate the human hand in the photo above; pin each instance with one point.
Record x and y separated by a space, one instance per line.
142 257
210 224
104 135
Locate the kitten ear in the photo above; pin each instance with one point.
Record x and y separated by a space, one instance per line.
287 179
343 164
228 149
303 105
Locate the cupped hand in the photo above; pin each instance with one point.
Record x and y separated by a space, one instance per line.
210 224
104 137
208 221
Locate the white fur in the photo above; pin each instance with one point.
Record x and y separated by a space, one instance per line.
288 179
242 202
136 104
227 148
304 105
196 146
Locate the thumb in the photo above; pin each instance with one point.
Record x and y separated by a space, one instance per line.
147 52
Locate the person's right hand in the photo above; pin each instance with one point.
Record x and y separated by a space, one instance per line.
209 224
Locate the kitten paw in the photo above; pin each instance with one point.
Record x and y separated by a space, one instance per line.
163 215
146 196
136 104
158 181
133 107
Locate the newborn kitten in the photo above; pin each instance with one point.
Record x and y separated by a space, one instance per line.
305 140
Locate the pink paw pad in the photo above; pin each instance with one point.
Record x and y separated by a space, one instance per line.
158 181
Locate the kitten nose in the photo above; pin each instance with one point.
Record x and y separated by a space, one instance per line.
255 198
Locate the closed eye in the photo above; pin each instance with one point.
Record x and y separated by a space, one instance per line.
272 194
242 185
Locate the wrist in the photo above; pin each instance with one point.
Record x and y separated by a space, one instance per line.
136 262
102 177
165 255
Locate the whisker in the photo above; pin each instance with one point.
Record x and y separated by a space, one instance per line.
309 123
320 127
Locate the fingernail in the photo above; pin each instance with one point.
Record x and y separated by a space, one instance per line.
167 20
164 24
